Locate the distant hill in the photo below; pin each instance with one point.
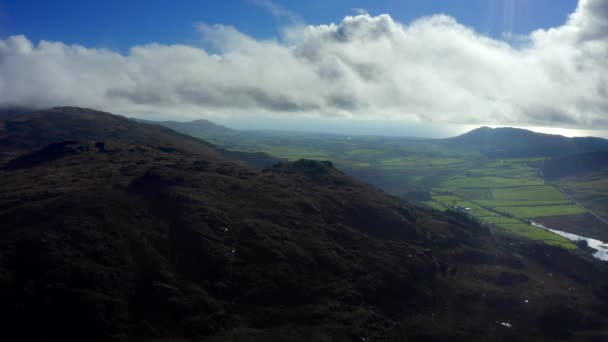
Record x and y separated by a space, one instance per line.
196 128
205 129
27 131
575 165
515 142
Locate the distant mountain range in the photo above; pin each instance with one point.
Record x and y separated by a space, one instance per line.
118 230
505 142
569 156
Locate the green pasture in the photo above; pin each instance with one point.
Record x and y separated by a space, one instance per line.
528 193
541 211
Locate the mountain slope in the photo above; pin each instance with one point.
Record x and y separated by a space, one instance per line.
204 129
26 131
575 165
514 142
123 240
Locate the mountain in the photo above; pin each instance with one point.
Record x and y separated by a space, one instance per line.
111 233
508 142
24 131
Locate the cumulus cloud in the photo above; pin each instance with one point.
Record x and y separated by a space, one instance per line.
433 69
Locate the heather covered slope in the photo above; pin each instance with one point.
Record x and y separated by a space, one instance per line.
23 131
135 241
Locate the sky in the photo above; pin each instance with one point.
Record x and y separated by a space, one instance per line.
536 63
119 25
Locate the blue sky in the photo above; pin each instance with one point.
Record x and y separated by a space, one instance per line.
120 24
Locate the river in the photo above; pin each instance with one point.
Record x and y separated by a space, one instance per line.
600 246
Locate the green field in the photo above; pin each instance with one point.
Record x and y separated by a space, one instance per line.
513 225
541 211
487 182
534 233
522 203
528 193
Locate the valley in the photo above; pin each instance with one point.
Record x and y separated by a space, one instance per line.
462 173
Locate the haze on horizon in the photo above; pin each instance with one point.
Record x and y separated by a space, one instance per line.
431 76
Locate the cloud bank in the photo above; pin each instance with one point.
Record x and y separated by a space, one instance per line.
433 69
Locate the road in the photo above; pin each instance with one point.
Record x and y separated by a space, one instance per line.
580 205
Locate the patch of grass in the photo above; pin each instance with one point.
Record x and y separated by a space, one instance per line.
447 199
520 203
535 233
528 193
435 205
541 211
475 194
363 153
463 182
502 220
398 162
477 211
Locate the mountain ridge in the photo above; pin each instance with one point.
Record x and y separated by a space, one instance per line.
27 131
517 142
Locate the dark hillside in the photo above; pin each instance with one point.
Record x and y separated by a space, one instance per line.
575 165
125 240
37 129
207 129
24 132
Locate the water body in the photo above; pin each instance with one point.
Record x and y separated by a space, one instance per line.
601 247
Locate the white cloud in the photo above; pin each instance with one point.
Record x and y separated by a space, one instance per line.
278 11
433 69
359 11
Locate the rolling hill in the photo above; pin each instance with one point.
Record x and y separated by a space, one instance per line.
118 230
508 142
